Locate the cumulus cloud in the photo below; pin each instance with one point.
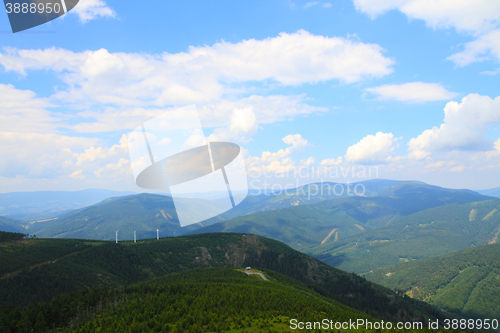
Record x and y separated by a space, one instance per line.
39 154
331 161
196 75
373 149
486 47
464 127
280 161
458 168
32 146
22 111
469 16
91 9
412 92
435 165
480 18
243 125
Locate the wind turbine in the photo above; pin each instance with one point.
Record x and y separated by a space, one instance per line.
134 236
116 232
157 234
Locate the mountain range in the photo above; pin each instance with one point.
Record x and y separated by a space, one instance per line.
42 205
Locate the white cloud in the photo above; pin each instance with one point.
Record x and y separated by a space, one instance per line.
331 161
243 125
243 121
486 47
458 168
493 72
412 92
464 127
39 154
476 16
373 149
22 111
202 73
479 18
267 109
316 3
435 165
311 4
91 9
279 162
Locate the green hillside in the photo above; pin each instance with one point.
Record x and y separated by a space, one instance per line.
432 232
306 227
206 300
56 266
143 213
419 196
465 282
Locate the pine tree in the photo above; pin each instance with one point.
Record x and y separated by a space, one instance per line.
40 323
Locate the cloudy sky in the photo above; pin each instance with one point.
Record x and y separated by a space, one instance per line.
410 87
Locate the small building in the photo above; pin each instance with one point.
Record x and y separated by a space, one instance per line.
248 268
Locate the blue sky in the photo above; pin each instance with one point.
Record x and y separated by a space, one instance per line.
407 86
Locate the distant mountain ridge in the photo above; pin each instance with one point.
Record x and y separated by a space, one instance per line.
47 204
10 225
384 202
306 227
494 192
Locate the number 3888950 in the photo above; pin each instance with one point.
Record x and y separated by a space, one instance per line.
32 8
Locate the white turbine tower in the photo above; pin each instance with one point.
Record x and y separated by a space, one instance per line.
134 237
157 234
116 232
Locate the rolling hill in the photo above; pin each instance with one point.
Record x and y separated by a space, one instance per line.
427 195
465 282
144 213
39 269
310 227
428 233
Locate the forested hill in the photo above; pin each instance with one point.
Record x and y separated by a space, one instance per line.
35 270
205 300
466 282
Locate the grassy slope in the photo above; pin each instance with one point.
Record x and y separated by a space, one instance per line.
467 281
107 264
432 232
